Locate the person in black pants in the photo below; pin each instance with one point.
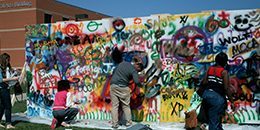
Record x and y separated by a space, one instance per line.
63 109
5 106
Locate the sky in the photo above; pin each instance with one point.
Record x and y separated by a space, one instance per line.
141 8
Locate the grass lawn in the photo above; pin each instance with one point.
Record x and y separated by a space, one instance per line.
20 107
21 125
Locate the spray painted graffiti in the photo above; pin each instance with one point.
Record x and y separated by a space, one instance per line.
176 51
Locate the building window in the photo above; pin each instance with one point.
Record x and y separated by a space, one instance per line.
81 17
47 18
65 19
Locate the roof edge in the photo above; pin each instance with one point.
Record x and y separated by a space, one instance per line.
81 8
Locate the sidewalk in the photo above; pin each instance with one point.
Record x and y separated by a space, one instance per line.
107 125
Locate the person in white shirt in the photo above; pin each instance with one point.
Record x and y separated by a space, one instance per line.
5 106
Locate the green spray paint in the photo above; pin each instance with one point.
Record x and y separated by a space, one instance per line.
173 28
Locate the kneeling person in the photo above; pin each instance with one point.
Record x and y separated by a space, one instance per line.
63 112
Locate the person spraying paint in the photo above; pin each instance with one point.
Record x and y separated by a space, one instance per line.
63 110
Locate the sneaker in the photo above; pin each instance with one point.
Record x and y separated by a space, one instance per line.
115 126
53 123
128 123
64 124
9 126
203 126
2 126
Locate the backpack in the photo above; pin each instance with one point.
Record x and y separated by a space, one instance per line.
191 119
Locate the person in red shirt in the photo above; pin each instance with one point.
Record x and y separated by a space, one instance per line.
214 96
63 112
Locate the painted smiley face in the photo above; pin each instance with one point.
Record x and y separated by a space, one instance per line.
242 22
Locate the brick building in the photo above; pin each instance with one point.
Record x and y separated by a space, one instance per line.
15 14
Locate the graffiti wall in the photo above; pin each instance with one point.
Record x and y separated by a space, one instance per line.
176 51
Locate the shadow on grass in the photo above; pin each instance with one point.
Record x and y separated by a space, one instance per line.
23 125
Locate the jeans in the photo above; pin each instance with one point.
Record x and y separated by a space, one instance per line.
215 106
66 115
5 106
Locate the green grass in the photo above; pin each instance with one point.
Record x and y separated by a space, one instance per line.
20 107
22 125
23 86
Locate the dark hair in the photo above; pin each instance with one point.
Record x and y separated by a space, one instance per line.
3 62
117 56
221 59
6 55
63 85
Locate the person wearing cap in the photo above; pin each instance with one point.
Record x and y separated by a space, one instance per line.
217 81
63 110
119 90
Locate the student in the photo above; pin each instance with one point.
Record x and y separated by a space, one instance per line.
5 106
217 81
63 111
119 90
